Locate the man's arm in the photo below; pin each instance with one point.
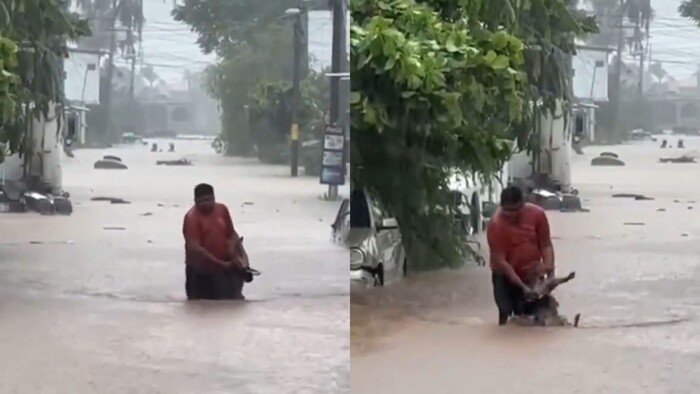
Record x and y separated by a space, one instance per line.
193 248
497 257
545 240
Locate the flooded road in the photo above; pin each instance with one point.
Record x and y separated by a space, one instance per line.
85 309
637 288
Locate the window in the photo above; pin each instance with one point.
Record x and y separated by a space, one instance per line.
359 212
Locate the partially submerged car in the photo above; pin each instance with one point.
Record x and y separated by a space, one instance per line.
377 256
131 138
475 200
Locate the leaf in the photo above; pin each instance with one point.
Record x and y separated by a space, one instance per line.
450 44
500 62
355 97
490 57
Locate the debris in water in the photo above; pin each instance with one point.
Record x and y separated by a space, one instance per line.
634 224
638 197
661 210
681 159
146 214
607 161
113 200
113 228
178 162
112 157
109 165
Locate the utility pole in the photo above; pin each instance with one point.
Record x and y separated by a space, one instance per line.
338 63
107 104
617 75
132 96
642 48
641 52
296 94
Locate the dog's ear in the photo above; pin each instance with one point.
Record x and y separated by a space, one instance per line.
240 241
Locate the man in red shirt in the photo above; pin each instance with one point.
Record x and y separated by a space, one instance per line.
212 272
520 252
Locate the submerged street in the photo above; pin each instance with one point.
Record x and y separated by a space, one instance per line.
637 288
94 302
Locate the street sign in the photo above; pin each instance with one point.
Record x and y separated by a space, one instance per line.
333 165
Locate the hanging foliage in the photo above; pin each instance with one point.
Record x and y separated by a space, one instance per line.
8 88
42 28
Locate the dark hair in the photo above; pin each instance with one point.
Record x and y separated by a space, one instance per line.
203 189
511 195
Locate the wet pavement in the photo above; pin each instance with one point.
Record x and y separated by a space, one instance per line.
637 288
91 310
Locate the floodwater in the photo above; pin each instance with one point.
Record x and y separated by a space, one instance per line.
84 309
637 288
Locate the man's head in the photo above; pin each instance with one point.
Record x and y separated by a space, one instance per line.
204 197
512 202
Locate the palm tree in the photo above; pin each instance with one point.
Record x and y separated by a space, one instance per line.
149 74
608 12
691 10
100 13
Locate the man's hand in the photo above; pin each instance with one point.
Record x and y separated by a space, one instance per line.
545 269
223 263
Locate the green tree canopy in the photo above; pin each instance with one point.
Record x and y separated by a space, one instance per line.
440 86
253 40
222 24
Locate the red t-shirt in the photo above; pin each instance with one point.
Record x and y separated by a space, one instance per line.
521 243
212 231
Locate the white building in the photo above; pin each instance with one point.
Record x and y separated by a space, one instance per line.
82 88
590 85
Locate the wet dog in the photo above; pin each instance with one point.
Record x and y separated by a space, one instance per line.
545 307
241 256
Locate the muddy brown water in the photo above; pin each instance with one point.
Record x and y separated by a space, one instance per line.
85 310
637 288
